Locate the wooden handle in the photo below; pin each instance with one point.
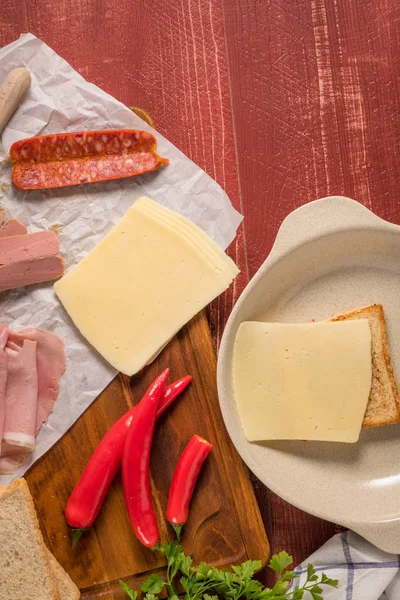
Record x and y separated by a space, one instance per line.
13 90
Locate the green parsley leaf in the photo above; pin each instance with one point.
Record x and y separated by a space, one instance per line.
317 589
310 571
128 591
186 584
186 566
298 594
153 584
289 575
280 587
247 569
253 588
203 570
280 561
325 580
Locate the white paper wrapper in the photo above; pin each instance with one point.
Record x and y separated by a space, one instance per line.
61 100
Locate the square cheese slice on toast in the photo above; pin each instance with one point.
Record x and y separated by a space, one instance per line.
302 381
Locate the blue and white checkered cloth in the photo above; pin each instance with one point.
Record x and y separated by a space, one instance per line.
363 571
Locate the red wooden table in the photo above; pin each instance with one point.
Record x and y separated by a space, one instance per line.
281 102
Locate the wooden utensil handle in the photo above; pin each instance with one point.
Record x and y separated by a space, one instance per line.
13 90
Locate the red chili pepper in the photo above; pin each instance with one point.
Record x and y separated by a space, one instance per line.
136 466
184 481
88 495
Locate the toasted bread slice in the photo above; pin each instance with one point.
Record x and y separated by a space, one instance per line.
67 590
383 406
24 566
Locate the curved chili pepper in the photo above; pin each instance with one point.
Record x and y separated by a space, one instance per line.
184 481
136 466
88 495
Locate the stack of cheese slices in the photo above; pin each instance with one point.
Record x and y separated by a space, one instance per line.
146 279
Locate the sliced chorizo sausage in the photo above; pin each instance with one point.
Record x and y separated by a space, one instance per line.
66 159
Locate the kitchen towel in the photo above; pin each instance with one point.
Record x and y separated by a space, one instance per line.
364 572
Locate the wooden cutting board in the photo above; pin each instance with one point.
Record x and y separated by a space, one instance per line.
225 525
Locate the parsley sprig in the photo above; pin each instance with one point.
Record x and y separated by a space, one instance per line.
208 583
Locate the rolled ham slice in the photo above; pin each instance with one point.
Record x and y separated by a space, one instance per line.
21 398
19 248
51 364
9 464
12 227
3 377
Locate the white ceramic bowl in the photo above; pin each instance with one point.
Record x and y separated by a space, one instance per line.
329 256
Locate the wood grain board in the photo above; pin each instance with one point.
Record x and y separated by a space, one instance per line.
225 525
282 102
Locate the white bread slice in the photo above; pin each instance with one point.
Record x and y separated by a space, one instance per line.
25 572
67 590
383 406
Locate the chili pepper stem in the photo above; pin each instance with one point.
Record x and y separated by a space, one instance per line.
157 547
76 536
178 531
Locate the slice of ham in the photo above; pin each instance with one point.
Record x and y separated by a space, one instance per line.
3 377
12 227
21 398
17 248
9 464
13 449
27 272
51 364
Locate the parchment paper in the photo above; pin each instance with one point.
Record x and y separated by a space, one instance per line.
61 100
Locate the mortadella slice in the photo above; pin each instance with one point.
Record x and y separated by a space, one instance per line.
27 272
19 248
12 227
21 398
51 364
3 377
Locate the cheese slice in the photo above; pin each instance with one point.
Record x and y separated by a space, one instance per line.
302 381
191 231
148 277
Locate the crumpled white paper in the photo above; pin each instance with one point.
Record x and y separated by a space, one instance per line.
62 100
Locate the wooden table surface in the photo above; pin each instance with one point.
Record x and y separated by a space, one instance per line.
281 102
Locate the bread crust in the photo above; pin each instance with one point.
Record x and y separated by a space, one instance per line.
382 369
66 587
